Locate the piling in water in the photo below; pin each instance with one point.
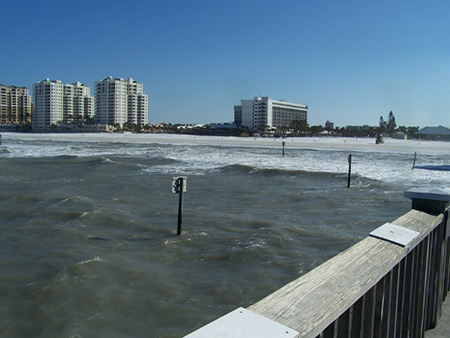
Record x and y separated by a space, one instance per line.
349 169
179 187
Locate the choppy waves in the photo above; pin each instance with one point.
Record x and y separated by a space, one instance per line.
88 239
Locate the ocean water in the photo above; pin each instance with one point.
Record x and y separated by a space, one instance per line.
88 226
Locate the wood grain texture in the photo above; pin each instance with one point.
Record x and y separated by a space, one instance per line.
314 301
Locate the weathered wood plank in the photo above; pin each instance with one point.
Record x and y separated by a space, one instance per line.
313 301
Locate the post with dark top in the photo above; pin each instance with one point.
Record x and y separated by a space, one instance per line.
429 199
179 187
414 162
349 169
283 144
435 201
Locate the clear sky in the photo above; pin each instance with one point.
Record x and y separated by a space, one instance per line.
349 61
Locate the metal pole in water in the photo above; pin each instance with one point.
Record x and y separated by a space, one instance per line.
179 187
180 207
414 162
283 144
349 169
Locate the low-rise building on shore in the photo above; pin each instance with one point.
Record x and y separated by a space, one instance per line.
433 133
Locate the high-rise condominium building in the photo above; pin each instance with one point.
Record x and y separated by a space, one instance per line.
262 112
55 103
118 101
80 105
15 105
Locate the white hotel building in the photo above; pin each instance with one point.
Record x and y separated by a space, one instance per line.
262 112
56 103
119 101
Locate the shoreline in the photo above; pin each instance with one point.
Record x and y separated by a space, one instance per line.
338 143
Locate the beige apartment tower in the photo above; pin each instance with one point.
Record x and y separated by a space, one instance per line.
15 105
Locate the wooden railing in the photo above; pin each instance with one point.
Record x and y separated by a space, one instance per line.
373 289
376 288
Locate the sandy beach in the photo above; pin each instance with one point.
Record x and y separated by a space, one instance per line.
341 143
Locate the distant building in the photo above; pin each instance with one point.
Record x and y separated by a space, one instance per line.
359 128
433 133
329 125
262 112
56 103
221 125
15 105
118 101
238 115
48 103
399 135
83 128
83 104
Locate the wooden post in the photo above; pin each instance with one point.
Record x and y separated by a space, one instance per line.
283 144
414 162
349 169
429 199
434 201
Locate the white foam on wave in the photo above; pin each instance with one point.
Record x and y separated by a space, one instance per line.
389 162
92 260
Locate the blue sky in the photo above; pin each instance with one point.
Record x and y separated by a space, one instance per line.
349 61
